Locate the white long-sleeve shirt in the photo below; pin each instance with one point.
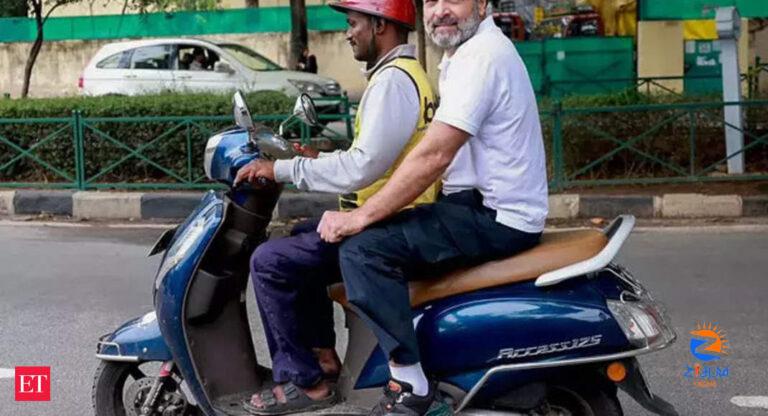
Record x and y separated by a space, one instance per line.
391 109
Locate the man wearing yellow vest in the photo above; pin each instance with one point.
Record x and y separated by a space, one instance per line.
290 274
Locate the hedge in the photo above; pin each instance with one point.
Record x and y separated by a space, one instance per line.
585 136
169 151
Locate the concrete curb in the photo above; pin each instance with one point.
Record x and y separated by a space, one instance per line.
43 202
6 202
106 205
177 205
168 205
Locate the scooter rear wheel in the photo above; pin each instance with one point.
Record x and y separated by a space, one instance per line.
568 401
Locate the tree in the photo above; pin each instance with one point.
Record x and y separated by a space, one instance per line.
14 8
40 19
299 35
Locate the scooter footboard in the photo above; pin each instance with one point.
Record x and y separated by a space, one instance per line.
137 340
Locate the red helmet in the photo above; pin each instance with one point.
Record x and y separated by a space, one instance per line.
398 11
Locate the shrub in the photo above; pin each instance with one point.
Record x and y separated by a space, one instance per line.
657 133
108 144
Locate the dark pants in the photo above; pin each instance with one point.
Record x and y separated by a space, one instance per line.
290 276
457 231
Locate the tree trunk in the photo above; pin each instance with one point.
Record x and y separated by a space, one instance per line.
421 39
299 36
251 3
32 57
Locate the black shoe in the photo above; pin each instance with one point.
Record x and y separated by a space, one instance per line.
399 400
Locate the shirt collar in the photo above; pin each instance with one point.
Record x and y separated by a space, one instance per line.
486 25
400 51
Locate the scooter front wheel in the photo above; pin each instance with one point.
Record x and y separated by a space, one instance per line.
119 389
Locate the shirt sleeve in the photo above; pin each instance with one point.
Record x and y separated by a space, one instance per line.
391 113
468 92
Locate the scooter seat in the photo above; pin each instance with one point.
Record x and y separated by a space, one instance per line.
557 249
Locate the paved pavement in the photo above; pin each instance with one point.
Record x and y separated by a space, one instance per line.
60 288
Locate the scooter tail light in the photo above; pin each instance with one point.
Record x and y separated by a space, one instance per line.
637 322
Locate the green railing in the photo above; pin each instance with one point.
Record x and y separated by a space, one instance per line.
651 144
648 144
81 152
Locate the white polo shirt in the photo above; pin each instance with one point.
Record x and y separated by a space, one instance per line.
485 91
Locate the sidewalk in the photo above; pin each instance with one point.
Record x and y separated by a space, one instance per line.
125 206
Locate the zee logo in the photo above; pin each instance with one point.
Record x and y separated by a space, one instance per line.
33 384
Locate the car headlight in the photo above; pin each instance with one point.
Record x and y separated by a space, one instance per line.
332 88
643 322
307 87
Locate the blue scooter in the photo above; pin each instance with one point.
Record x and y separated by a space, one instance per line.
552 331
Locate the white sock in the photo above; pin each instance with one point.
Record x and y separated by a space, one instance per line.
413 375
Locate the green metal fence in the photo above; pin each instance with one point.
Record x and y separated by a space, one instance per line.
628 145
79 152
651 144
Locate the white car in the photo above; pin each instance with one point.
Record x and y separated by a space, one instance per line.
193 65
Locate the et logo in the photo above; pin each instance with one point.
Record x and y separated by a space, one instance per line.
33 384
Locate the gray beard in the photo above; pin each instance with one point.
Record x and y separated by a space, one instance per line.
466 29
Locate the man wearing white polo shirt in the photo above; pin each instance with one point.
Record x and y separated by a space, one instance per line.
486 143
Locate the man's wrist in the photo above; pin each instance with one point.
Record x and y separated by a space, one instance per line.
366 215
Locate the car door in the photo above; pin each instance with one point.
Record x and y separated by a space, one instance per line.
201 69
109 75
150 70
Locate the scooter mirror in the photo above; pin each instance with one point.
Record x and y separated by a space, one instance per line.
305 110
242 113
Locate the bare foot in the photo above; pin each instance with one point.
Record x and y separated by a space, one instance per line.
317 392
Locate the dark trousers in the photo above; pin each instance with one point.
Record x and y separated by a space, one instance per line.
457 231
290 276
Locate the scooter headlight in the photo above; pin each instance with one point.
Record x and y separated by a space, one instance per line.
643 322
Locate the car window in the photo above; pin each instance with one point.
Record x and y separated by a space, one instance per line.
250 59
152 57
196 58
117 61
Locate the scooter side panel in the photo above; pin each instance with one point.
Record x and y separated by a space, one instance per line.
172 287
463 336
140 338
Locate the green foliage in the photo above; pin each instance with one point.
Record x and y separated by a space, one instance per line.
660 142
176 146
264 102
144 6
14 8
628 97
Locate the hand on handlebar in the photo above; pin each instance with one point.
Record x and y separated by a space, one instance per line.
259 172
306 150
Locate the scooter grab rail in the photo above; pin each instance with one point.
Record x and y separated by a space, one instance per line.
617 233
